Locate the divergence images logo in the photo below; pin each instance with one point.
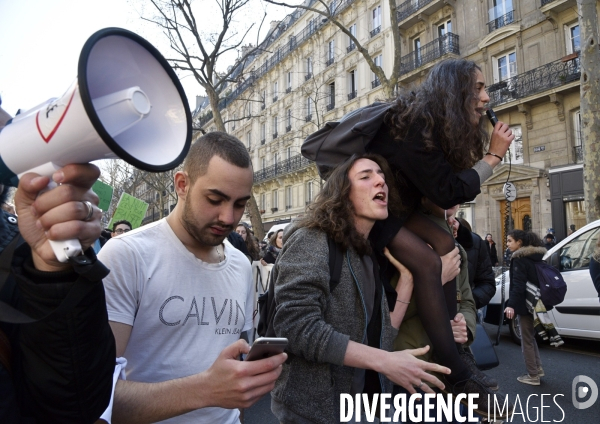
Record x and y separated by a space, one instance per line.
584 387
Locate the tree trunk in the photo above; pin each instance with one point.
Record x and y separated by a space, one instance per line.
589 108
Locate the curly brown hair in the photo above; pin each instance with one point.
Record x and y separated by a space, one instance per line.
333 213
441 108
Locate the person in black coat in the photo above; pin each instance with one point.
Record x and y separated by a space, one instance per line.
481 274
595 267
527 249
59 369
490 245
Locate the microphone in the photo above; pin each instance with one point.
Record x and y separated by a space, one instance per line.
492 117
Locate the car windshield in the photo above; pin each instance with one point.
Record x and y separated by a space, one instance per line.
576 254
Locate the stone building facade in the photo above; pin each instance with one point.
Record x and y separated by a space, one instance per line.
311 73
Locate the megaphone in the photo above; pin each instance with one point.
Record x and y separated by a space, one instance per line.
126 103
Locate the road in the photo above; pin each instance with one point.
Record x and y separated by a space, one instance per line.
561 365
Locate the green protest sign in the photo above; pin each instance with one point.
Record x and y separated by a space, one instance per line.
130 209
104 192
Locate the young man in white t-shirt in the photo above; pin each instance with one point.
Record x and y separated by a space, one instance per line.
178 297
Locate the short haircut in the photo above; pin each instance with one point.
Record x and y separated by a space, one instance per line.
465 223
123 221
215 143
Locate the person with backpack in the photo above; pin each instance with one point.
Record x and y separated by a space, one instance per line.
524 300
434 139
340 337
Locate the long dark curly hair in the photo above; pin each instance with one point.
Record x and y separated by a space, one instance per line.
442 108
527 238
333 213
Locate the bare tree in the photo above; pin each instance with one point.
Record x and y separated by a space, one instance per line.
332 11
589 108
199 54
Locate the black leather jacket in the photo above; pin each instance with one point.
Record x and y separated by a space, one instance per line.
61 368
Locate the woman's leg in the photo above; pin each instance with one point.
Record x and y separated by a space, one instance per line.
426 267
528 344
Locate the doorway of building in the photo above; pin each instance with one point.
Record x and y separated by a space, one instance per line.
520 216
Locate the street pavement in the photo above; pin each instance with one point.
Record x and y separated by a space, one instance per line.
561 365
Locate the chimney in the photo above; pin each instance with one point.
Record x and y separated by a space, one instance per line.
274 24
246 49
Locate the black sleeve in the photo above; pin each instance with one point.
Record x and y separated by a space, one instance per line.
238 242
484 284
595 273
269 258
63 365
518 285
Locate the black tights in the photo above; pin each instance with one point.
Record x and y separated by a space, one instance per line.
436 304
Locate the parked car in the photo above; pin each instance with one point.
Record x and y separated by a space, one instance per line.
579 314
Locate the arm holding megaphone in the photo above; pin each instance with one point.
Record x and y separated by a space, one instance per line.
57 214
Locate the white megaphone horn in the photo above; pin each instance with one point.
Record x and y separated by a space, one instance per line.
126 103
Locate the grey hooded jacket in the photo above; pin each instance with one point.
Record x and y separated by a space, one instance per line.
319 326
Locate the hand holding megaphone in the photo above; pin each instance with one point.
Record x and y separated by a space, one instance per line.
127 103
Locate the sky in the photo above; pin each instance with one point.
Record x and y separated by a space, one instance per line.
42 40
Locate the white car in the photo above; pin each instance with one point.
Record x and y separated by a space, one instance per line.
579 314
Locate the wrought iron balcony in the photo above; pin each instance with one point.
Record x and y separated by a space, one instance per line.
294 163
351 95
447 43
308 76
329 61
545 2
375 83
288 90
578 154
274 99
501 21
375 31
288 128
274 135
545 77
351 47
330 106
409 7
308 117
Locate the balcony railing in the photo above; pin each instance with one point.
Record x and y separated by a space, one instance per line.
274 135
578 154
447 43
375 31
351 47
330 106
329 61
501 21
308 117
281 168
545 2
274 99
375 83
545 77
288 128
308 76
409 7
351 95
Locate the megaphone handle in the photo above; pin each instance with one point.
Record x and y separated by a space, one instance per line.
64 249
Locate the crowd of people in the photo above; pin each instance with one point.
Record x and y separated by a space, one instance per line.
179 295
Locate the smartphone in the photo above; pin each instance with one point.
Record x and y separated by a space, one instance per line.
264 347
492 117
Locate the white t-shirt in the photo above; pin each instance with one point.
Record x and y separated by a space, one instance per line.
184 311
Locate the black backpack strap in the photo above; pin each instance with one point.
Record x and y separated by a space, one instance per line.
336 260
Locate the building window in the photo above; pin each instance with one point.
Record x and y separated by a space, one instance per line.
378 60
352 84
577 139
248 139
331 96
263 163
501 13
308 106
505 66
275 201
275 126
309 68
330 52
264 99
289 82
288 198
515 150
351 45
309 192
288 124
376 21
234 121
263 201
289 153
263 133
275 91
417 51
572 38
332 7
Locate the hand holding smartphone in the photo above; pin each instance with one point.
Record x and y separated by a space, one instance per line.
264 347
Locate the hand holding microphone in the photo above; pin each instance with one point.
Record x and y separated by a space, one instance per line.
500 140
